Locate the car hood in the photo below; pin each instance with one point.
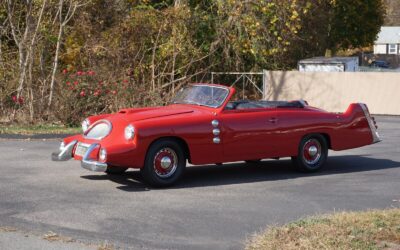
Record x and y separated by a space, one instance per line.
139 114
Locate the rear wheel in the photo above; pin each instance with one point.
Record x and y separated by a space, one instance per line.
115 170
164 164
312 153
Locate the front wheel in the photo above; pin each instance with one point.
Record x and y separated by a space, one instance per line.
312 153
164 164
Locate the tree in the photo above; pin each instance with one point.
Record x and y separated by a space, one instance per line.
153 46
259 34
24 38
354 24
63 21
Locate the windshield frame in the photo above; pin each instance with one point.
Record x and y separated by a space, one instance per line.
227 92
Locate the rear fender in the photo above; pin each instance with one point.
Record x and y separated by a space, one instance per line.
355 128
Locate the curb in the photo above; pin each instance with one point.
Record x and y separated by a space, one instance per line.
33 137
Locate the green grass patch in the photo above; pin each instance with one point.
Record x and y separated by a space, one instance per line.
38 129
375 229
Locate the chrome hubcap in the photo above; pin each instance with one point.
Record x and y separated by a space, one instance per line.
165 162
312 151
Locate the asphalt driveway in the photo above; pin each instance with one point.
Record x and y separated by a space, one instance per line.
214 207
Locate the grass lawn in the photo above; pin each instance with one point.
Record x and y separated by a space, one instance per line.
38 129
375 229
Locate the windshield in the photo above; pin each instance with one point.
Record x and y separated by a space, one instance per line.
202 95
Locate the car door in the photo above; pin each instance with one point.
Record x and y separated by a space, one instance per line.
249 134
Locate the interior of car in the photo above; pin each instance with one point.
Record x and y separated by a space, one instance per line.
247 104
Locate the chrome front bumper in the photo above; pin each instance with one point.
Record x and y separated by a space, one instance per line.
91 165
66 153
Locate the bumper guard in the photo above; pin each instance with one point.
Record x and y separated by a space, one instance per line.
65 154
91 165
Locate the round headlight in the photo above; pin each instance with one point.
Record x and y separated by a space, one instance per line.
103 154
85 125
129 132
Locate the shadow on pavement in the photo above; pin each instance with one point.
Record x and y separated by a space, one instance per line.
130 181
236 173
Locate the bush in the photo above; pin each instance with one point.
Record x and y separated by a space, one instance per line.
84 92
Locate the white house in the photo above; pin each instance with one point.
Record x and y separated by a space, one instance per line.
329 64
388 41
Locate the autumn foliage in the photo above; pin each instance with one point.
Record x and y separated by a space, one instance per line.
63 60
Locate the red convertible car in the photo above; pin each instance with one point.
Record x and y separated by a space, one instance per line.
203 126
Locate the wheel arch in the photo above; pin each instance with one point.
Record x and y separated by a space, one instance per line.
179 140
325 135
328 139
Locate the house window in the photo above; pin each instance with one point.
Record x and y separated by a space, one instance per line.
392 48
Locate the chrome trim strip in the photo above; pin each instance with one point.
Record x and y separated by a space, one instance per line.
65 154
375 136
94 124
210 85
91 165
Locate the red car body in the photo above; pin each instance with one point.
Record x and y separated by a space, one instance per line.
208 135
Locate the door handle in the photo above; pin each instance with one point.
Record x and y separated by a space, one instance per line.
273 120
